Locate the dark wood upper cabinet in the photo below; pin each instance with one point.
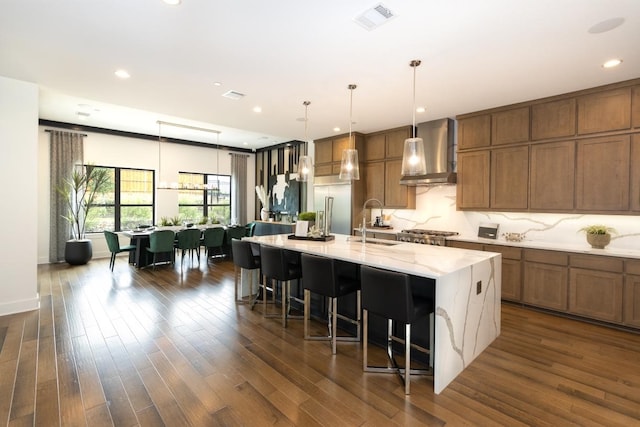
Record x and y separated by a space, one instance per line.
553 119
374 147
509 127
552 176
604 111
473 180
510 178
474 132
635 106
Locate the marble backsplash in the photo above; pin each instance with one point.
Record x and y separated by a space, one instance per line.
436 210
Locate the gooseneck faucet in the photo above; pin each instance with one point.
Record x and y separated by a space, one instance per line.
363 230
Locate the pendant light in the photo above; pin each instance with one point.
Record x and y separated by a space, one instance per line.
349 168
304 163
413 157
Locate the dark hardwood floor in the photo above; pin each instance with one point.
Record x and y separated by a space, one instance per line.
160 348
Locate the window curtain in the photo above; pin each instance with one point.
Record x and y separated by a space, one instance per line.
239 187
65 151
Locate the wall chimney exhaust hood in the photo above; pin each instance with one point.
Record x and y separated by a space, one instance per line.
439 148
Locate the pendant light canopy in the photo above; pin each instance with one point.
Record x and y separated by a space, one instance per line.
304 163
349 168
413 157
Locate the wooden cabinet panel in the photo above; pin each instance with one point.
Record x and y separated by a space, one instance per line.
323 151
596 294
635 107
473 180
323 170
465 245
339 145
508 127
474 132
508 252
552 176
597 262
395 142
511 280
631 295
545 285
634 173
604 111
546 257
374 147
396 195
510 178
602 174
553 119
374 180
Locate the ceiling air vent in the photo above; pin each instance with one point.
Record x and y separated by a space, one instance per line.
372 18
232 94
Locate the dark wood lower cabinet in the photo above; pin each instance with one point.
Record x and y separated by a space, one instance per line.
596 294
545 285
631 297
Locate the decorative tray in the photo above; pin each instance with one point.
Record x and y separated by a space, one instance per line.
315 239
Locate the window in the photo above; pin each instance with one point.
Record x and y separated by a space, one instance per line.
127 203
203 195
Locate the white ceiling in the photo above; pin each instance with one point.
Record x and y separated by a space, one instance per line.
475 55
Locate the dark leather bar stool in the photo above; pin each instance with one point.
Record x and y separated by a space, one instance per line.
280 265
388 294
243 258
322 276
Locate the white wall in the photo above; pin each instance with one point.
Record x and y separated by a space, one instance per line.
110 150
18 171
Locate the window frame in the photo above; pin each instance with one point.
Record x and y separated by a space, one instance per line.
204 205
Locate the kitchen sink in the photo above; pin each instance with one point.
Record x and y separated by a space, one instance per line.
374 241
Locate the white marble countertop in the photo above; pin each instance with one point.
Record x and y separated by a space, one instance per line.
418 260
552 246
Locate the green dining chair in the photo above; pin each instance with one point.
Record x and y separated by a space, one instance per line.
250 229
189 240
160 242
213 239
114 246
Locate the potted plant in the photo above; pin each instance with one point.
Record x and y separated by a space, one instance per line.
598 235
79 192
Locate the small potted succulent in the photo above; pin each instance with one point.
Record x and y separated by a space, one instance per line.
598 236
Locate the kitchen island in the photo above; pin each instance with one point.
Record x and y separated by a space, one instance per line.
467 290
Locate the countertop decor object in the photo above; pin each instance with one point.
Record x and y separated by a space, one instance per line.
514 237
598 236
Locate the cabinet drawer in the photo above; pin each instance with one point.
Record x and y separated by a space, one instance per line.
507 252
595 262
546 257
465 245
632 266
323 169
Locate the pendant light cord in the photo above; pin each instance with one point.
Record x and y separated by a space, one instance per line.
351 88
306 141
415 63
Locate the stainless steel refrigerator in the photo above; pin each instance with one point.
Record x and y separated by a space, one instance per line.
341 191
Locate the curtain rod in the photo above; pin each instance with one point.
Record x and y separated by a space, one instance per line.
53 130
178 125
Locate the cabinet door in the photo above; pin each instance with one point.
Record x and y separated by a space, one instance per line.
604 111
323 170
545 285
510 178
602 174
395 142
511 279
339 145
396 195
552 176
508 127
474 132
473 180
596 294
553 119
634 191
374 147
374 180
635 103
324 151
632 300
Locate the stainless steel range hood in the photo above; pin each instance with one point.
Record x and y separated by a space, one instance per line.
438 137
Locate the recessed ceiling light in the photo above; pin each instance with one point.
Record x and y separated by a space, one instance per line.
257 109
420 110
245 143
336 129
612 63
123 74
217 84
172 2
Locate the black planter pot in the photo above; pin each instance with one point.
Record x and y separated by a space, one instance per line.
78 252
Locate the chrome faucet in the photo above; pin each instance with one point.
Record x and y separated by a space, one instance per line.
363 230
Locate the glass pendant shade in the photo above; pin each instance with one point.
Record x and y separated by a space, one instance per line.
304 168
349 169
413 159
